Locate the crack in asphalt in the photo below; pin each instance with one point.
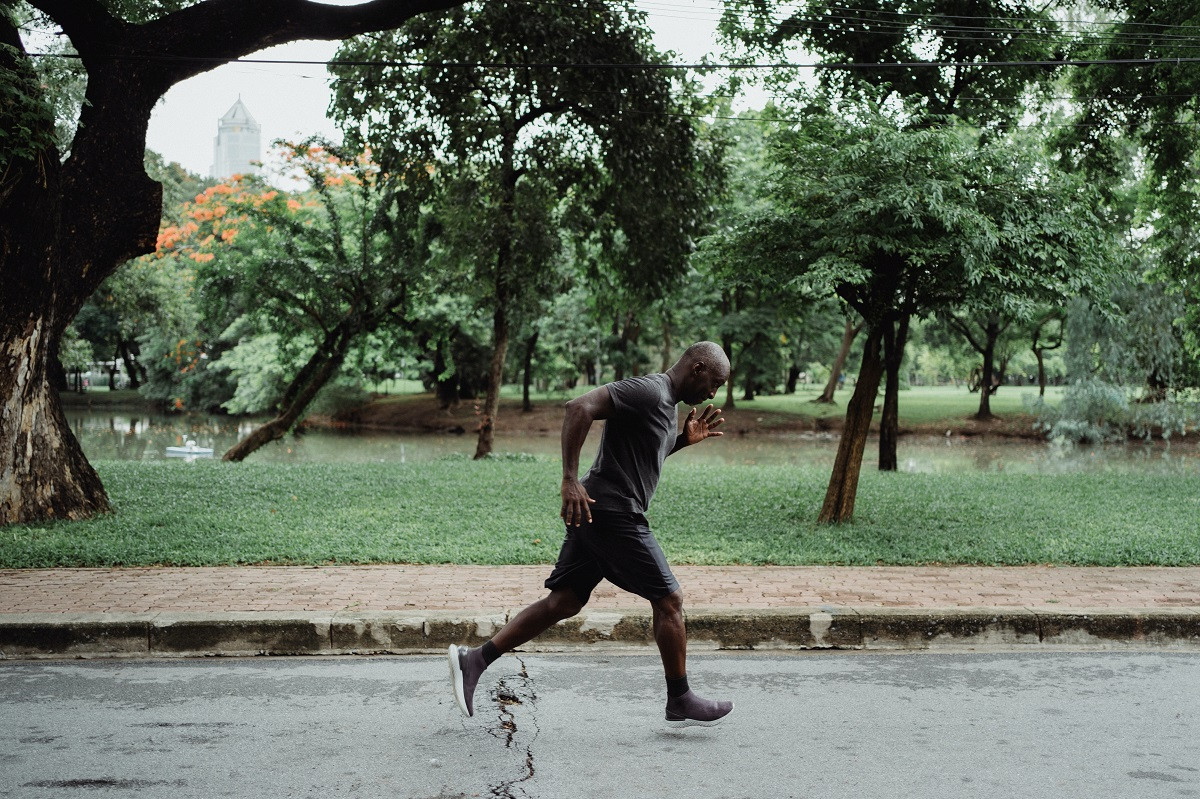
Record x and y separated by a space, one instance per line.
514 690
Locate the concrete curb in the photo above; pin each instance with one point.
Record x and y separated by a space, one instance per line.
118 635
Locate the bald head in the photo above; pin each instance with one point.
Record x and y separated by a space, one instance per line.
709 353
702 369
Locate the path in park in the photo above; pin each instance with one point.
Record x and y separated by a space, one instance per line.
492 589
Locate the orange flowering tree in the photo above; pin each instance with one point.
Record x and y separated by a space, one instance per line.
305 274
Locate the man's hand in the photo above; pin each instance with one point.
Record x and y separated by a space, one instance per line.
698 428
576 504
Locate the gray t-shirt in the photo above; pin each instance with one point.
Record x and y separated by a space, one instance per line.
636 440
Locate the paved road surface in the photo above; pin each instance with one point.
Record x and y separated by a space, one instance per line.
827 725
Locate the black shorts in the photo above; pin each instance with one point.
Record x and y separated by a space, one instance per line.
616 546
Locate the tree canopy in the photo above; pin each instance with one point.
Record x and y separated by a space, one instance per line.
903 223
531 117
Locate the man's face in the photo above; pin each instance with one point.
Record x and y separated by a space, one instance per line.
703 383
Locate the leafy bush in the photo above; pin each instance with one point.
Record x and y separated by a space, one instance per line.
339 396
1093 412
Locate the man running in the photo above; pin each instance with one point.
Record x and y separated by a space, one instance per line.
608 536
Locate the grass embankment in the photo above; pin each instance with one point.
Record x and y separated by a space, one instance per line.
505 512
932 410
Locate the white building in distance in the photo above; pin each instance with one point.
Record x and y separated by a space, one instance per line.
237 147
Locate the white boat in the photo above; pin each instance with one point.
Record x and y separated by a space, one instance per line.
190 450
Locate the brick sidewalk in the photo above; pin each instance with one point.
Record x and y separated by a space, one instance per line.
499 588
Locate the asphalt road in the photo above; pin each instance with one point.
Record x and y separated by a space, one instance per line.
827 725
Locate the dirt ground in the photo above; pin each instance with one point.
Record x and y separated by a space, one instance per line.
423 414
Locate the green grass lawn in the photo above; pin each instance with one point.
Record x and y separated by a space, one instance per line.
504 511
917 405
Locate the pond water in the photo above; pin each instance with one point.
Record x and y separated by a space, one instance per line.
114 435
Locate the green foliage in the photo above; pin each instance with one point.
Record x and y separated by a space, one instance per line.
74 352
27 120
1147 117
919 220
509 137
504 510
1133 340
894 32
339 396
259 373
179 373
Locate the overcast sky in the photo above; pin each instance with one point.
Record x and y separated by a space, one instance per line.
290 100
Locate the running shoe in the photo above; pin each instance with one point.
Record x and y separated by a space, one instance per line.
691 710
463 678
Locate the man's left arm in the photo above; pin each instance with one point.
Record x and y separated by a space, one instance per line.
697 428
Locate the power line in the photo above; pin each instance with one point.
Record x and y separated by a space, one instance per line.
700 67
977 17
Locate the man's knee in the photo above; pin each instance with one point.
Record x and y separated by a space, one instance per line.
564 604
671 604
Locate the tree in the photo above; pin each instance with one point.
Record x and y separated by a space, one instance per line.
849 333
1045 334
896 223
896 34
1156 106
515 141
307 275
67 224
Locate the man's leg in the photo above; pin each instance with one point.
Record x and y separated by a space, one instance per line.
684 707
467 665
670 634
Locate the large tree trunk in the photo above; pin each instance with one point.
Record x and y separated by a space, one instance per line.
843 483
848 336
1041 359
45 474
889 421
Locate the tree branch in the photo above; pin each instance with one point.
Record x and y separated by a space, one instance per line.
965 329
541 111
220 30
86 22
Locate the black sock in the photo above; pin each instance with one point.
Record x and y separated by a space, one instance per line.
490 653
677 686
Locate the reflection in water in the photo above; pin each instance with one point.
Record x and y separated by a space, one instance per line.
144 436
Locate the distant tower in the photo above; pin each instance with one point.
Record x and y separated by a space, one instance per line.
236 144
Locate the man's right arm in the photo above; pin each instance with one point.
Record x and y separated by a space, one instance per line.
580 413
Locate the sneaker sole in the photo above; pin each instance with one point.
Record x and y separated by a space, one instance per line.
678 723
456 680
